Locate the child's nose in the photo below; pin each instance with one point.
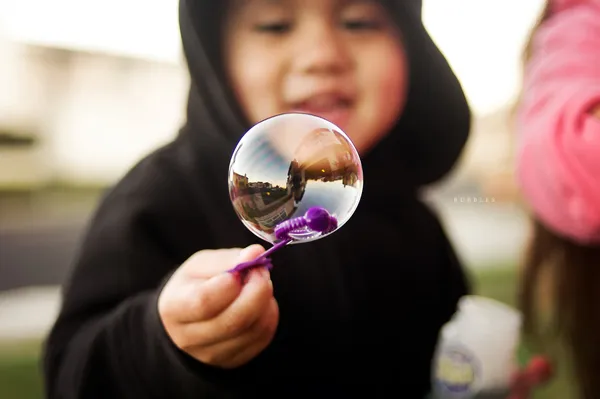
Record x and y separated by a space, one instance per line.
323 51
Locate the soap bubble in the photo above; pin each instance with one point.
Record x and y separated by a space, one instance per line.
288 164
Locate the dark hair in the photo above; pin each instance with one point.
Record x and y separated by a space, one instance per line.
573 288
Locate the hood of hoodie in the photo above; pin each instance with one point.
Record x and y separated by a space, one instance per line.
424 144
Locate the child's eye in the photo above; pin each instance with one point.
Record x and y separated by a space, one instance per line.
361 24
275 27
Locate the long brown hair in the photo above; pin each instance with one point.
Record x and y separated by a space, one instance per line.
573 291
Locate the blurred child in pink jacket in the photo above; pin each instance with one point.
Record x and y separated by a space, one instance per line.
558 170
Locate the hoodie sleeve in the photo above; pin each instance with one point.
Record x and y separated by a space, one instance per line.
108 341
558 135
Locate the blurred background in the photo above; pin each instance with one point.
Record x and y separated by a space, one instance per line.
88 88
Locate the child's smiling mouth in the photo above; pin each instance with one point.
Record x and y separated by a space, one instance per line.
336 107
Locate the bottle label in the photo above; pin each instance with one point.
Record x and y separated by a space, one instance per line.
456 372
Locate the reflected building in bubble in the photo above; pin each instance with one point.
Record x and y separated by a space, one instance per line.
264 204
326 157
240 182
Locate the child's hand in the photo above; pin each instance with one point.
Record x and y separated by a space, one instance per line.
537 373
209 314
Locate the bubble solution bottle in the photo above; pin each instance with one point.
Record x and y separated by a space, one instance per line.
475 356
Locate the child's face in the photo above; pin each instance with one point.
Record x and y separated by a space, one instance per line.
339 59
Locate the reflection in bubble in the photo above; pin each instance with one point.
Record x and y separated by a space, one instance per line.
289 163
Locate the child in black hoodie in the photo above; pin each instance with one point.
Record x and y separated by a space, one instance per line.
149 312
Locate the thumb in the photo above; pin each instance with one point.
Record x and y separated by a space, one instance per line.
209 263
250 253
247 254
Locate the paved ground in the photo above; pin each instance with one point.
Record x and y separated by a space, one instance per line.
36 257
39 234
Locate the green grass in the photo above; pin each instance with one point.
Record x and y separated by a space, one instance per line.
20 376
19 364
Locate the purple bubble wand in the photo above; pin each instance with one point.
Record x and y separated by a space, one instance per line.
316 219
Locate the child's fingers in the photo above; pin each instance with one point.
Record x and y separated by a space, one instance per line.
239 317
206 299
249 253
236 351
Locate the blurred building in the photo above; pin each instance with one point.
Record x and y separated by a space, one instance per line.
90 115
81 108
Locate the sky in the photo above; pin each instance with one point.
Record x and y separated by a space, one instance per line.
140 28
481 38
483 41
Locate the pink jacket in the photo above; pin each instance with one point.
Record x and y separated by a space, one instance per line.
558 160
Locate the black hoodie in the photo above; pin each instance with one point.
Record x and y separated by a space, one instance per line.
362 307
